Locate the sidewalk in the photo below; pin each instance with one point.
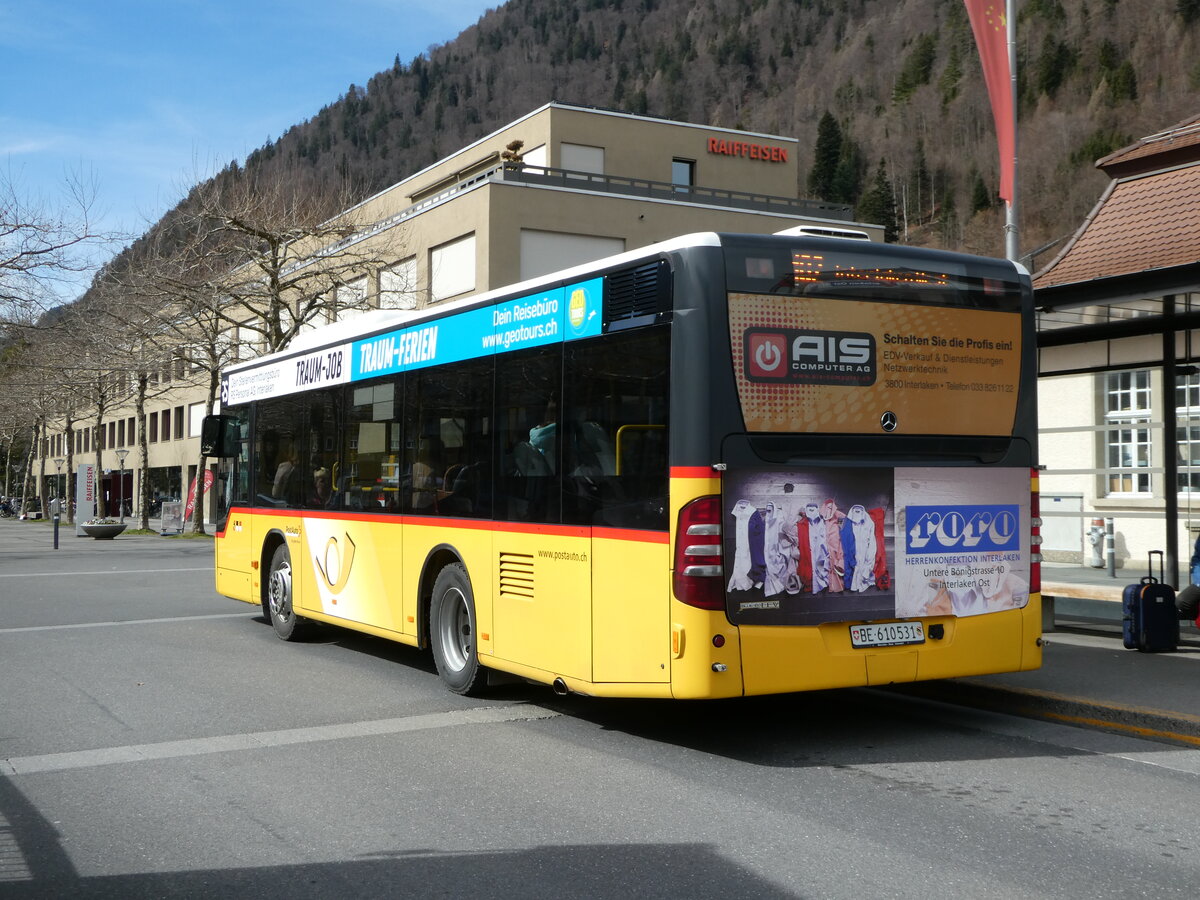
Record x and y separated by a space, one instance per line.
1088 677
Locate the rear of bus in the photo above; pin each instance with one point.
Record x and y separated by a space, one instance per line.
853 453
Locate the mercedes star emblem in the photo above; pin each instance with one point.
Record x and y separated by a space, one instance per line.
888 421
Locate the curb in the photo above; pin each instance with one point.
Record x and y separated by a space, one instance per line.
1151 724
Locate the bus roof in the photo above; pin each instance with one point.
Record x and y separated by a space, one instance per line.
382 320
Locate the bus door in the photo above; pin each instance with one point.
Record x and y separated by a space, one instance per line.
543 598
226 439
631 559
615 482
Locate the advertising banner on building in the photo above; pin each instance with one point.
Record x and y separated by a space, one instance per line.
191 494
85 496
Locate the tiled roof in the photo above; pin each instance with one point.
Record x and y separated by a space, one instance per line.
1141 223
1182 139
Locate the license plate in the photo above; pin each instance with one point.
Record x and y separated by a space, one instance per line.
892 634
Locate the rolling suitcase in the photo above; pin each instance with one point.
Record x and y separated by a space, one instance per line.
1150 621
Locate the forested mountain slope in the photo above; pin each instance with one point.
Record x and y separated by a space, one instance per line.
900 80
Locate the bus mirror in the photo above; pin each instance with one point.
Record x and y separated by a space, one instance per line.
219 437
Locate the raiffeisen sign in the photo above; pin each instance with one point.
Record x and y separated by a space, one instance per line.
760 152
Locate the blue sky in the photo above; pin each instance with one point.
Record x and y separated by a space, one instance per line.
147 97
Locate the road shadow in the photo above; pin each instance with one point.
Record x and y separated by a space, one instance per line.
34 864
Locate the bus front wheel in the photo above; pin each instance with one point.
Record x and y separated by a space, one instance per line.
452 631
277 603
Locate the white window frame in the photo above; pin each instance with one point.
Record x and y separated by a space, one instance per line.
398 285
1187 433
452 268
581 158
1128 440
350 299
195 423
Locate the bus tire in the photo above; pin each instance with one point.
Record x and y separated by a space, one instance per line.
277 602
452 632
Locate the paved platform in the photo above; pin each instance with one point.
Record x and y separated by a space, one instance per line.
1088 677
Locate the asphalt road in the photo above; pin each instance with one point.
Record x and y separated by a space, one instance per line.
157 740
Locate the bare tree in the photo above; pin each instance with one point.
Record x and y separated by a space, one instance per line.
124 306
43 243
250 266
286 254
32 378
172 314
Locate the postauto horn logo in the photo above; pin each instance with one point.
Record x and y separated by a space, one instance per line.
789 355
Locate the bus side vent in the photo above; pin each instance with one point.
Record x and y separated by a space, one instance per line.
637 296
516 575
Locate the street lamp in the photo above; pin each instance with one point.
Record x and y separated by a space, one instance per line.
58 464
121 454
58 461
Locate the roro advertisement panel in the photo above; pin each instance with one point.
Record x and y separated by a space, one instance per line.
810 545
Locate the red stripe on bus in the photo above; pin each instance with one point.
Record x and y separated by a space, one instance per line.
580 531
628 534
694 472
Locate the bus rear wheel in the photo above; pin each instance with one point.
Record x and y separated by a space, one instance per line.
277 603
452 631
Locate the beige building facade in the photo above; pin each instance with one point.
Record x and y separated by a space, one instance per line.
561 186
1119 374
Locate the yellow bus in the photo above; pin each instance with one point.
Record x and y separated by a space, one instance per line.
722 465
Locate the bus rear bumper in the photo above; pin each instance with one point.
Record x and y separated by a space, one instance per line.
781 659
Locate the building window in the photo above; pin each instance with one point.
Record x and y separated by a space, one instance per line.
543 252
1187 431
152 419
112 435
121 433
248 340
166 424
178 422
350 299
581 158
1127 436
683 172
195 419
535 157
131 429
452 268
398 285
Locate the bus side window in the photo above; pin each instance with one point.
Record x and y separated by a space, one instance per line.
369 479
281 423
527 387
448 440
320 461
615 395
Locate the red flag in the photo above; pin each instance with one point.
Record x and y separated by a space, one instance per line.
990 24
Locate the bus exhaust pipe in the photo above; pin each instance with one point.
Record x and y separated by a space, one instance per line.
560 687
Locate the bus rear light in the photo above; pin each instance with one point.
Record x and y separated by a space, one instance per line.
698 575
